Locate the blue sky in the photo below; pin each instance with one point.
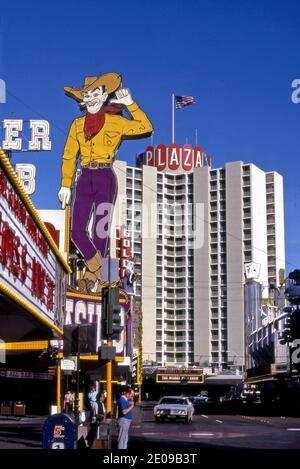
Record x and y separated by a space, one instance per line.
238 58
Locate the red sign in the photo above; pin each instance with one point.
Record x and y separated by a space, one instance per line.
14 253
18 209
174 157
28 267
123 248
58 430
187 157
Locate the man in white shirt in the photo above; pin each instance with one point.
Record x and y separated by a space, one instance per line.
92 396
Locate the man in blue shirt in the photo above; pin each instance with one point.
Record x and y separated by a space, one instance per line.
125 406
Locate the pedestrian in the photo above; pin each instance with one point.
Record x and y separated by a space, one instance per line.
92 397
101 405
69 400
125 414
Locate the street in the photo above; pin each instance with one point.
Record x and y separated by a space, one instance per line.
206 431
24 433
213 431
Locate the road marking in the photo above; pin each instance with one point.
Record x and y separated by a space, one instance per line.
202 434
219 421
293 429
205 416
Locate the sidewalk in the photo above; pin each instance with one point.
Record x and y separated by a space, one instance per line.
26 419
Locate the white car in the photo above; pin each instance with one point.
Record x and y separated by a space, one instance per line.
173 408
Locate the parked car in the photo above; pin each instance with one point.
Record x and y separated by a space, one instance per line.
174 408
198 399
230 399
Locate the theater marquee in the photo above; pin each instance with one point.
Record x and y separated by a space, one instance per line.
177 377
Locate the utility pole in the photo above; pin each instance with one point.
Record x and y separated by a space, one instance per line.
109 384
111 319
58 386
77 377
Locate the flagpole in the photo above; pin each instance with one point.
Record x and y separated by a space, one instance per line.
173 118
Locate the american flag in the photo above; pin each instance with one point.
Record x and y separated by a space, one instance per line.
182 101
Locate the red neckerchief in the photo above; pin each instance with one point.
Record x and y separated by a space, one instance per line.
94 122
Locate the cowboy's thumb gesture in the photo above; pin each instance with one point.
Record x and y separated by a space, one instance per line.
123 97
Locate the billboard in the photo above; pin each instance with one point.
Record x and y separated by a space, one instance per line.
93 193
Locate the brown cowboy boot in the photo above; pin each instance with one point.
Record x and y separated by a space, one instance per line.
92 274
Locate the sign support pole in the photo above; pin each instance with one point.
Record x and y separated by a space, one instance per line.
58 386
109 343
139 374
109 384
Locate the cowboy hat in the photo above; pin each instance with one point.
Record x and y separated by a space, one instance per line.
111 82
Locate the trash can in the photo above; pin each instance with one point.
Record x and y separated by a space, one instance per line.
60 432
19 408
103 436
6 408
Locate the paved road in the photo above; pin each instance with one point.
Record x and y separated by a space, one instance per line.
24 433
206 431
231 431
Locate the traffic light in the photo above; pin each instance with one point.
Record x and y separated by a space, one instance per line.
53 354
83 336
116 322
292 290
70 340
111 313
287 332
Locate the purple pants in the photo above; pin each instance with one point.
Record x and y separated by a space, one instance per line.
95 195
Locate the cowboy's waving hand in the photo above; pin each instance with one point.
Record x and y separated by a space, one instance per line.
123 97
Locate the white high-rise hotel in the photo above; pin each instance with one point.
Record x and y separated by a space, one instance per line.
191 287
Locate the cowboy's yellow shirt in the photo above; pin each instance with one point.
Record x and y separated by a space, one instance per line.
104 145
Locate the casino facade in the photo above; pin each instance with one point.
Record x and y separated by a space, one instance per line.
32 298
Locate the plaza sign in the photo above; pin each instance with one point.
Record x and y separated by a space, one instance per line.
174 157
39 135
